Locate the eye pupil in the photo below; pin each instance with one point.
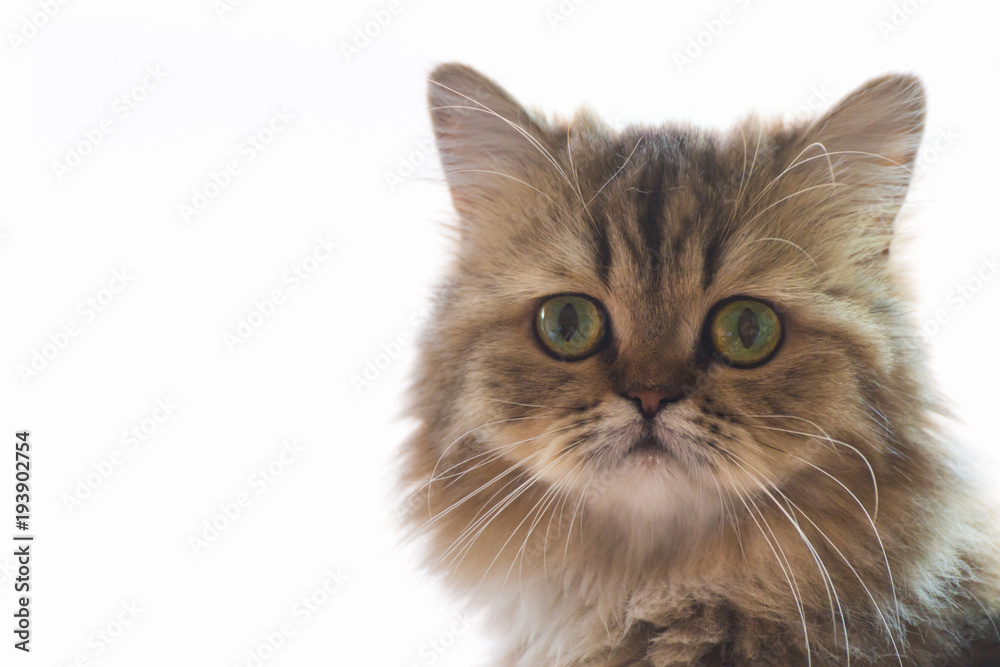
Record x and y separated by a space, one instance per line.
570 327
742 332
748 326
568 322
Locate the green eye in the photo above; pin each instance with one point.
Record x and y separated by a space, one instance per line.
743 332
570 327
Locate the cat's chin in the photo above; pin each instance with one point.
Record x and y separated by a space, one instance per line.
650 491
649 450
666 446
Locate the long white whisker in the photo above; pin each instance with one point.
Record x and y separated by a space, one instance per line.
825 576
878 608
796 162
461 437
534 405
782 562
743 174
787 197
871 522
481 522
794 245
528 483
482 108
624 164
513 178
826 437
553 493
871 597
513 467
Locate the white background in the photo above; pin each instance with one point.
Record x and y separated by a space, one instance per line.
356 120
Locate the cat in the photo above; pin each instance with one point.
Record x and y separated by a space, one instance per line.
671 404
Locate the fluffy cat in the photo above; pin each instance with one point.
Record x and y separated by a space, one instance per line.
672 405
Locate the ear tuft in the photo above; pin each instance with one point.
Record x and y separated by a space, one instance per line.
884 119
480 128
865 148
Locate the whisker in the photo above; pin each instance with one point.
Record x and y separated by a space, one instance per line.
786 198
743 174
562 506
878 538
825 576
459 438
495 510
614 175
572 167
520 130
530 482
796 162
513 178
481 522
871 597
746 183
878 608
482 108
515 466
789 576
554 493
826 437
794 245
414 533
569 532
437 517
533 405
825 155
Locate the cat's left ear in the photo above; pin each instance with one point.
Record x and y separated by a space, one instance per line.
867 145
484 136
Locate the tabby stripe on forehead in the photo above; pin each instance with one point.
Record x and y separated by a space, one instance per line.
712 258
651 200
602 244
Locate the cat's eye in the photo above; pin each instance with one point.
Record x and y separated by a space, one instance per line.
571 326
743 332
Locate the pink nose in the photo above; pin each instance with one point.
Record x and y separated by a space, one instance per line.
649 401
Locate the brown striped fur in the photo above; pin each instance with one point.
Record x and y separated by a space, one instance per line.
791 490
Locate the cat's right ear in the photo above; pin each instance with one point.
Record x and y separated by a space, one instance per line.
484 136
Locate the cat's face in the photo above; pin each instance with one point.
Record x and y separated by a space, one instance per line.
668 318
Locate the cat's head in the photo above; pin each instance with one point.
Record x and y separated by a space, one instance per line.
661 316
